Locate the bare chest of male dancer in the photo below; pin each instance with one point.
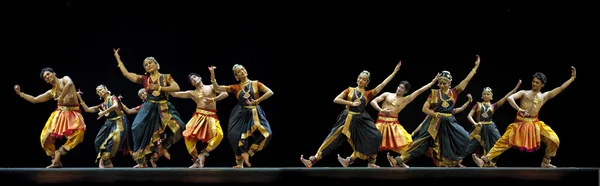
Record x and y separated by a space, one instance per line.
394 104
532 102
199 96
69 98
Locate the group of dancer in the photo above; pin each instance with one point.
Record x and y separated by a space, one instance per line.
157 124
439 136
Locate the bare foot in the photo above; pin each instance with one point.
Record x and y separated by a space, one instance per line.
372 165
110 165
101 163
240 166
306 162
246 157
163 152
477 160
201 159
56 163
196 164
547 165
141 166
393 162
343 161
461 166
153 159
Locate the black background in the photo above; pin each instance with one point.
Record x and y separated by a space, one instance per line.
306 61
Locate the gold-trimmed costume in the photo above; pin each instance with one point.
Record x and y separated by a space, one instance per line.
65 121
156 121
442 138
249 130
394 136
113 135
355 126
526 134
204 126
483 137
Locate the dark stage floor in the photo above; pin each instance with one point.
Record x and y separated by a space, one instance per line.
464 176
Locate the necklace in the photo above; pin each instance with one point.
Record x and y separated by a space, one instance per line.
536 100
155 78
357 97
485 110
200 94
105 105
445 101
395 102
246 92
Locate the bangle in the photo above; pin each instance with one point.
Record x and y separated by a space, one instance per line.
159 87
436 114
21 94
213 81
120 64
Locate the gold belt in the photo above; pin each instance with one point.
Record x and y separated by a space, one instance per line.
65 108
116 118
159 101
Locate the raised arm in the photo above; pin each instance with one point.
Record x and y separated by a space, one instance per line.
551 94
215 85
419 91
92 109
38 99
463 84
375 102
464 106
68 84
130 76
501 101
181 94
387 80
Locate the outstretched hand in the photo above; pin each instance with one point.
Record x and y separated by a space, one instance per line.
573 72
79 91
398 66
116 51
436 77
17 89
478 60
470 97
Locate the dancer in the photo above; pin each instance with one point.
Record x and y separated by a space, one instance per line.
354 124
248 131
440 133
204 125
394 136
157 124
484 132
527 132
65 121
143 95
113 135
